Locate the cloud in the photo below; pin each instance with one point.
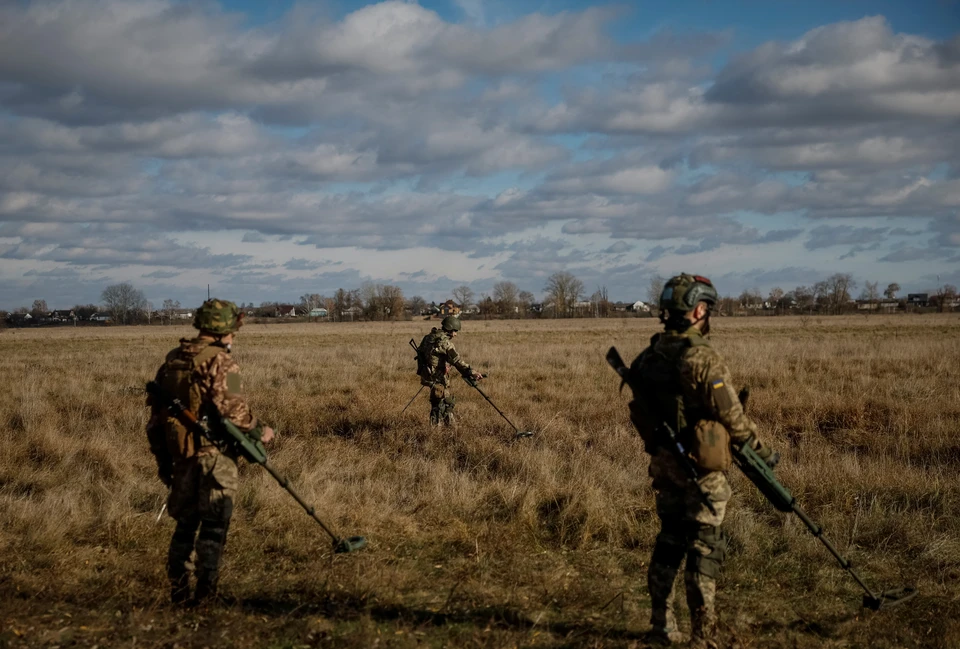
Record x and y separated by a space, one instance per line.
824 236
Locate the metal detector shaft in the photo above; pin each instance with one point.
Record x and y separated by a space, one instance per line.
484 395
285 483
413 399
817 531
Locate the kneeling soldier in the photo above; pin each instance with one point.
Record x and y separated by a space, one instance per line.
203 480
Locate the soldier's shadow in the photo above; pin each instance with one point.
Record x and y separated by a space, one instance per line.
503 617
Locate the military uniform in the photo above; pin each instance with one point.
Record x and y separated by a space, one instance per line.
682 381
203 480
437 355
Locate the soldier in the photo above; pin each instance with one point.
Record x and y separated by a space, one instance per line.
437 354
683 381
203 480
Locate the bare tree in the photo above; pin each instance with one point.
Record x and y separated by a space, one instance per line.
525 299
601 302
654 291
309 302
891 291
170 308
564 289
776 298
391 301
505 295
39 308
123 302
463 295
839 286
946 294
870 293
416 305
804 297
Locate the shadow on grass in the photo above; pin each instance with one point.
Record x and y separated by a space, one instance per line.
503 617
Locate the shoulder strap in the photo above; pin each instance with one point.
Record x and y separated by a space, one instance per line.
208 353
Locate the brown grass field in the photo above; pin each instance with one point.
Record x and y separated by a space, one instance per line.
477 539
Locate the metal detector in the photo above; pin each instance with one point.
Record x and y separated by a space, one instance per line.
227 435
520 434
761 475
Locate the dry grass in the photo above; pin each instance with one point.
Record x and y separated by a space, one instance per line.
479 540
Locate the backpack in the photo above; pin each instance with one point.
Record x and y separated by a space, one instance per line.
425 364
176 379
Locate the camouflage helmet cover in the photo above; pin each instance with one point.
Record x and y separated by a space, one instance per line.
450 323
683 292
218 316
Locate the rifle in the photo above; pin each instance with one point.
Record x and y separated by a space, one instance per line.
762 476
665 432
227 437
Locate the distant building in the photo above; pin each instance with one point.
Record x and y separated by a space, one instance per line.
639 306
449 308
319 312
918 299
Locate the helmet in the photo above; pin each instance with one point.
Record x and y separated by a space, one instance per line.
450 323
683 292
218 316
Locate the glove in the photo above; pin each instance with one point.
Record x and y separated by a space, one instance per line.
768 455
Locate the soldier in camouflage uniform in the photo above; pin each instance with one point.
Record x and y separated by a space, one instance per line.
436 356
683 381
203 480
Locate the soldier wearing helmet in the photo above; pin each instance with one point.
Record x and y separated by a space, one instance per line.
682 380
203 480
435 358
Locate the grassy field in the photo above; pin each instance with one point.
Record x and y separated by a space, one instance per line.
477 539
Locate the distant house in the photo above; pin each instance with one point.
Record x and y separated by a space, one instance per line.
471 309
286 311
100 317
182 314
638 306
918 299
450 308
62 315
319 312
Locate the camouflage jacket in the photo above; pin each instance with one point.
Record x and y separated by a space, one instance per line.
438 355
704 381
214 383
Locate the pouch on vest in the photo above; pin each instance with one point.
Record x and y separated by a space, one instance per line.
710 446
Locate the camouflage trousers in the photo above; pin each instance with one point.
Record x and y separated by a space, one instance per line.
442 403
688 531
201 501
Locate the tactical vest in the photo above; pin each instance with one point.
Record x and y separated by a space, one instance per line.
177 381
427 361
656 382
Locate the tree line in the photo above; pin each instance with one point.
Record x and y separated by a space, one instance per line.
564 295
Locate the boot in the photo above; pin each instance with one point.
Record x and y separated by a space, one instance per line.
206 592
180 589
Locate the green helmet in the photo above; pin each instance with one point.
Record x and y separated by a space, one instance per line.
218 316
683 292
450 323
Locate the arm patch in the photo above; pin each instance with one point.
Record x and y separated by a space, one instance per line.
721 395
234 385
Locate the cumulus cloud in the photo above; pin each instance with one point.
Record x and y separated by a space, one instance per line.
130 126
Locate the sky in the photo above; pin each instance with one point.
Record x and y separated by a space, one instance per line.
270 149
